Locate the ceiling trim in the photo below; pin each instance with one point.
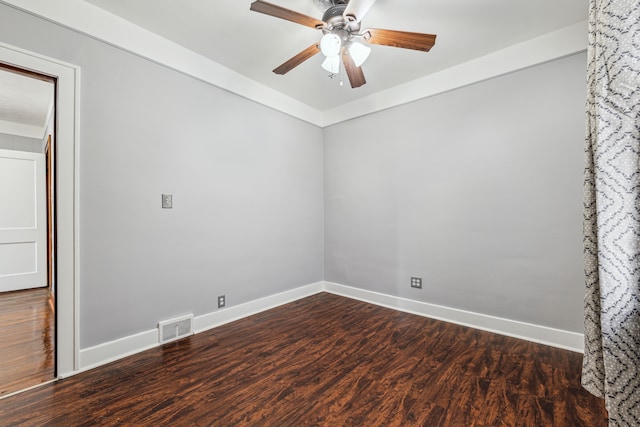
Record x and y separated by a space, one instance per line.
91 20
564 42
86 18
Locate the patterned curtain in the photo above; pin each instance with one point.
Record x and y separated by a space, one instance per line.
611 365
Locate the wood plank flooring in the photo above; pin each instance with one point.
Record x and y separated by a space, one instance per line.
26 339
324 361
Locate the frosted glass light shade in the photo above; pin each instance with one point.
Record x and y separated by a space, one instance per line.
359 53
332 64
330 44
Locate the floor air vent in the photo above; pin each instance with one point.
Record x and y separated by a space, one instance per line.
173 329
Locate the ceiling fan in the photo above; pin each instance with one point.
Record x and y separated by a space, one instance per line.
340 26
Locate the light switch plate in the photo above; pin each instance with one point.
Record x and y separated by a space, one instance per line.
167 201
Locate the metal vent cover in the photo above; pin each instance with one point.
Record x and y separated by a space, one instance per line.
174 329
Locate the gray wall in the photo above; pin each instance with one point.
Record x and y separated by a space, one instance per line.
246 183
20 143
478 191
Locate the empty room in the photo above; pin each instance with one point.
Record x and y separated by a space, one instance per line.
319 212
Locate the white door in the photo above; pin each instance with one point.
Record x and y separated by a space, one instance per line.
23 221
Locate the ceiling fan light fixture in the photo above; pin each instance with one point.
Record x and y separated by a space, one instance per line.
330 45
332 64
359 53
340 25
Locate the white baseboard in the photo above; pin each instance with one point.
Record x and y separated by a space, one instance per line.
572 341
104 353
220 317
107 352
101 354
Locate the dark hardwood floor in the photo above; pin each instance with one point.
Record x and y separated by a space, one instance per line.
326 361
26 339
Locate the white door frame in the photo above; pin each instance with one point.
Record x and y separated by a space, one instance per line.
67 198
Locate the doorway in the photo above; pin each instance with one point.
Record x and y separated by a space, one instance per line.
67 199
27 228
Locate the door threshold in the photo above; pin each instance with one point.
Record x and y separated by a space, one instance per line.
13 393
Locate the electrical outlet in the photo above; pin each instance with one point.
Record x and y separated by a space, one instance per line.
221 301
416 282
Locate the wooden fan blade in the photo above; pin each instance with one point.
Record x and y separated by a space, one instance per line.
355 74
298 59
403 39
356 9
286 14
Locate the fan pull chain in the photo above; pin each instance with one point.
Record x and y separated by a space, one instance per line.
338 74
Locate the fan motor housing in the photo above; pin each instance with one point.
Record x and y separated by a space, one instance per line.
325 4
334 19
333 16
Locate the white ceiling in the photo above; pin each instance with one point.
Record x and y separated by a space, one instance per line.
25 104
253 44
227 45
